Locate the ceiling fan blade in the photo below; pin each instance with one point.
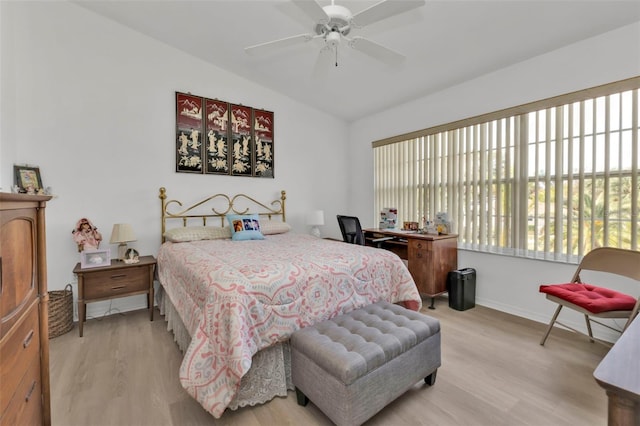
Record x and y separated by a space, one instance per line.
277 44
376 50
313 10
384 9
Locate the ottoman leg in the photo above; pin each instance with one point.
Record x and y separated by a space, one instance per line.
302 398
431 378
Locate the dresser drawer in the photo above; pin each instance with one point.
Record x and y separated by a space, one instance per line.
25 408
18 350
17 256
111 283
420 250
419 245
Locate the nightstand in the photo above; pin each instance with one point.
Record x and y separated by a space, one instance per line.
116 280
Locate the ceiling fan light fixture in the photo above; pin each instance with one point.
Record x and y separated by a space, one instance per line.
339 21
332 39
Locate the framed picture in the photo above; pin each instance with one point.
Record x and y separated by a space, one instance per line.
217 132
241 146
188 145
263 147
220 138
95 258
27 178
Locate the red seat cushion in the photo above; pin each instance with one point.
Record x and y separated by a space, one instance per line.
590 297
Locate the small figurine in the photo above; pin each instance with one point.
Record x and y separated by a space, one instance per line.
86 235
131 256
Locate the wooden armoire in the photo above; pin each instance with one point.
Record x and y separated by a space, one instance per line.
24 322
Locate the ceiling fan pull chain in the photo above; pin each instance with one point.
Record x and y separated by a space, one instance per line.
336 56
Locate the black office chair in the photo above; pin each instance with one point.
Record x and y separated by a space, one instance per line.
351 229
352 232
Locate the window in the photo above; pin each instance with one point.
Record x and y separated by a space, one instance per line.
549 180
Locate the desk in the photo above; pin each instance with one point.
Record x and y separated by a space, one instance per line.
430 257
619 374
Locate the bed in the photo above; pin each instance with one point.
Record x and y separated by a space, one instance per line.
232 303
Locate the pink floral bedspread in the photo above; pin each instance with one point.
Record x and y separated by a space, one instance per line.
238 297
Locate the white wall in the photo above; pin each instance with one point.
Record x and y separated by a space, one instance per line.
505 283
7 100
92 104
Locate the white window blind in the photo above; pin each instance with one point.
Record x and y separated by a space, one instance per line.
551 179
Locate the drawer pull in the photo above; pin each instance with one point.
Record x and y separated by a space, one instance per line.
27 341
113 277
118 287
419 245
419 255
28 396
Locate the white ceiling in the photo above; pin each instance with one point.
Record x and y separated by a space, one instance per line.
445 42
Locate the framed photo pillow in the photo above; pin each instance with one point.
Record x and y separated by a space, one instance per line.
245 227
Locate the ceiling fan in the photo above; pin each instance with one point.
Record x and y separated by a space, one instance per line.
333 24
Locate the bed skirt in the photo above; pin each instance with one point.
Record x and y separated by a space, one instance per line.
270 372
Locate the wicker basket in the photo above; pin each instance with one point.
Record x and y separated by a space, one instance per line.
60 311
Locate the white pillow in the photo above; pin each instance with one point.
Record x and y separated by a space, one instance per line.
196 233
270 227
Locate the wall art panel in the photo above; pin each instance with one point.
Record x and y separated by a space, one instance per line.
218 137
263 146
188 132
217 149
242 155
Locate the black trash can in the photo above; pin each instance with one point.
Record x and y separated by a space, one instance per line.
461 285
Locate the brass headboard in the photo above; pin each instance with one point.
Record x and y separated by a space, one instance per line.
219 206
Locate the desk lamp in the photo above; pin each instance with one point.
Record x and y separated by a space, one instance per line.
121 234
315 219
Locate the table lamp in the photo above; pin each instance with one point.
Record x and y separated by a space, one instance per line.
315 219
121 234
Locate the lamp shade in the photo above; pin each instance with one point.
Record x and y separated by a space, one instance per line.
315 218
122 233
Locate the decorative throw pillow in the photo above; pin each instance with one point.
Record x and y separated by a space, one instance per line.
218 232
196 233
245 227
271 227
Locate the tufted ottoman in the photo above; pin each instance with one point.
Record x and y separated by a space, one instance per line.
353 365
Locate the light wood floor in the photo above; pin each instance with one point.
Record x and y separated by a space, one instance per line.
124 371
